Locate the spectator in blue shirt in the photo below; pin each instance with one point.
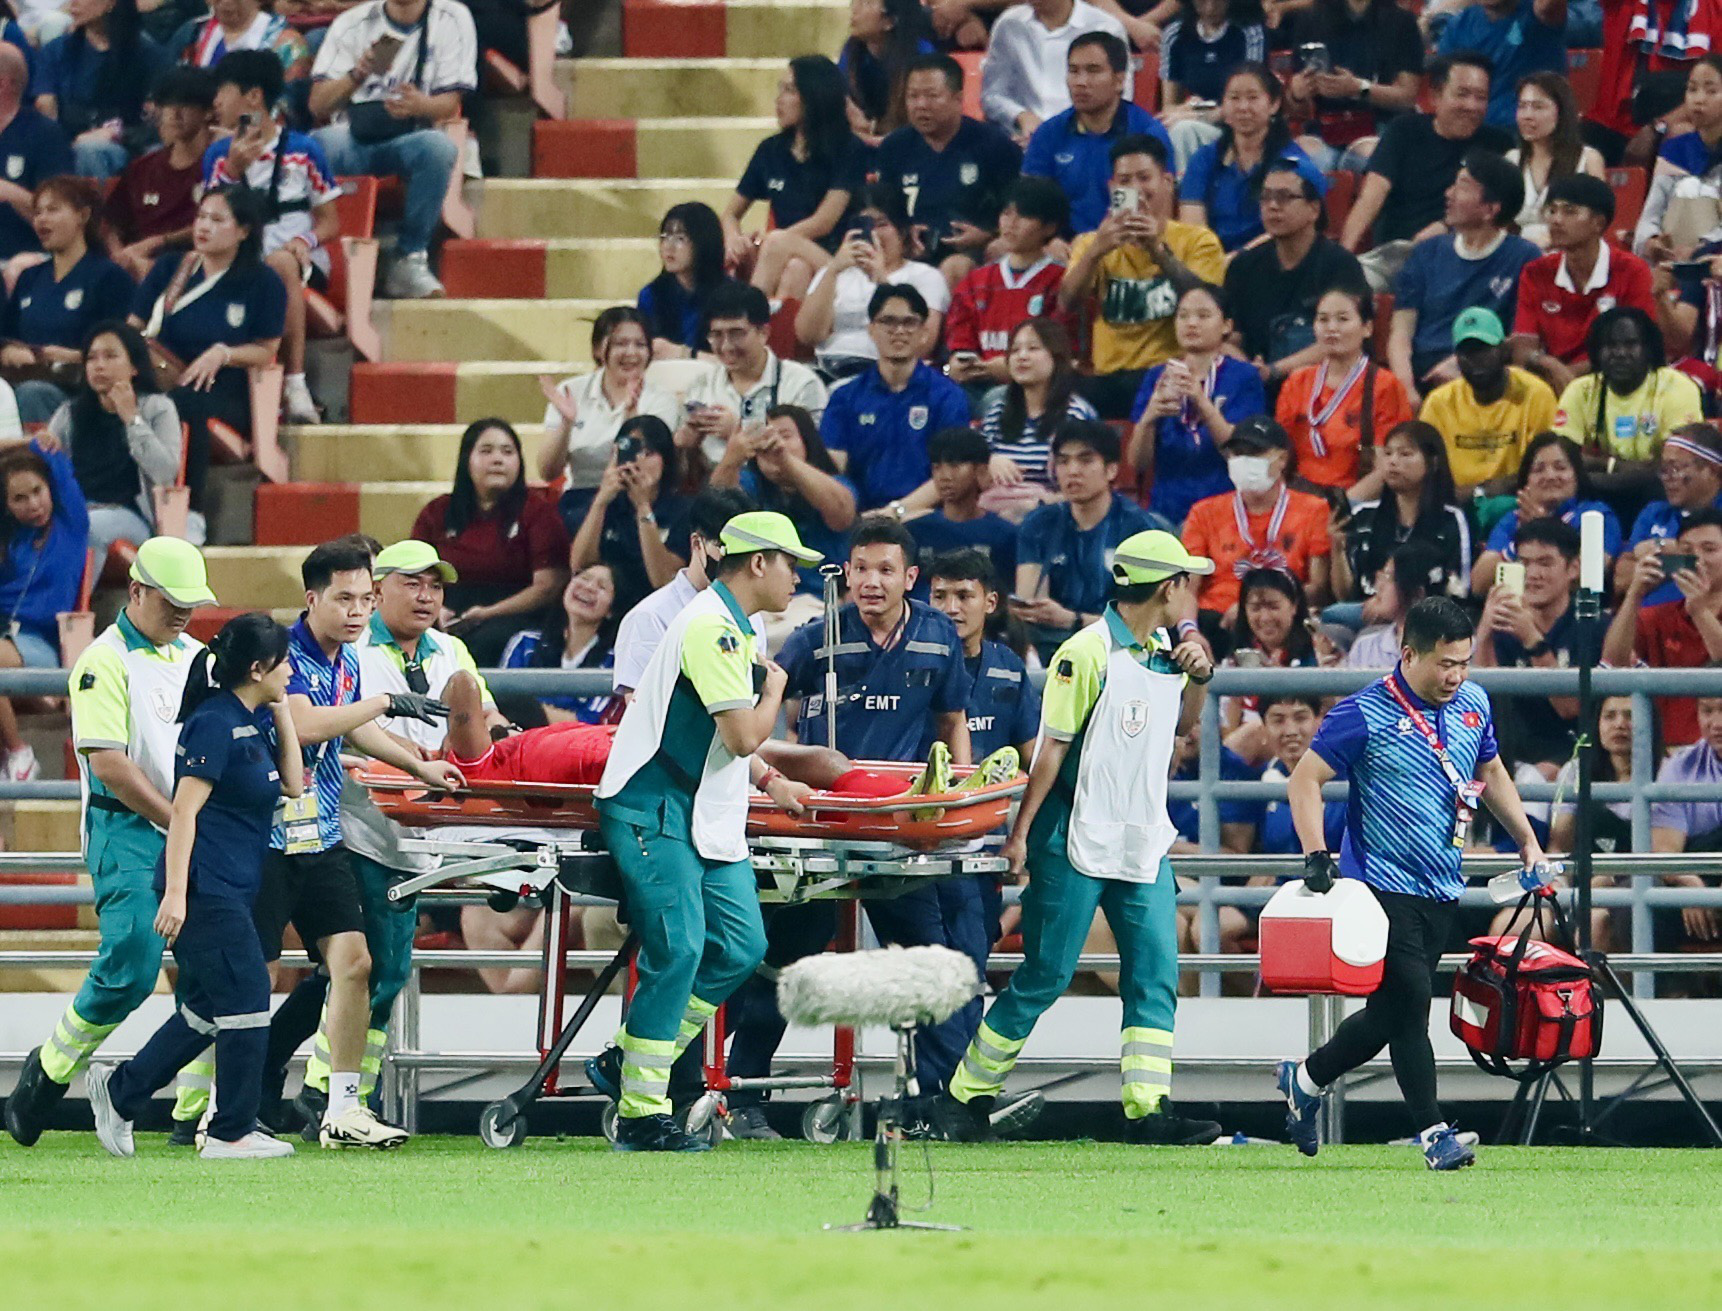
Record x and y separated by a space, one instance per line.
1519 37
959 457
1690 469
690 249
876 425
1289 723
884 37
1198 48
1553 483
95 80
1073 148
32 148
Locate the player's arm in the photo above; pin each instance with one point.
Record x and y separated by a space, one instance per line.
1504 803
376 741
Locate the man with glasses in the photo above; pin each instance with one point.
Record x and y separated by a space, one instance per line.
878 423
1690 469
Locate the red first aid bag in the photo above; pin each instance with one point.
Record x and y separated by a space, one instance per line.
1518 999
1326 942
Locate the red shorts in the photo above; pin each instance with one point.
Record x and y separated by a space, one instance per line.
559 753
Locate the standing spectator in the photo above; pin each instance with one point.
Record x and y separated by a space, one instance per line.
154 202
1131 269
1198 50
95 80
1549 147
1023 284
1022 417
958 522
1073 147
54 304
248 25
951 171
1375 71
1023 78
874 254
1272 288
508 546
583 414
1474 264
884 38
1186 407
1518 37
691 250
1416 505
1690 470
805 172
1687 155
392 111
638 521
876 425
32 149
1220 186
582 636
1552 484
1488 415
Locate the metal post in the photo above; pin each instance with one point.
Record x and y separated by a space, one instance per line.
1587 610
1325 1013
833 576
401 1082
1643 770
1208 812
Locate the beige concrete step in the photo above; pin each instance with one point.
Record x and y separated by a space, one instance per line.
698 147
562 207
428 330
257 577
388 453
768 28
670 88
611 268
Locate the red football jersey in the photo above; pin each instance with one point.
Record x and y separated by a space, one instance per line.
988 304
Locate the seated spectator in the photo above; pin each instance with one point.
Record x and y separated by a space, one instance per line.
1270 631
1680 826
874 254
877 424
1222 182
959 457
1553 483
1689 309
1518 37
951 171
45 528
12 33
123 437
805 172
637 523
884 38
1199 49
248 25
392 111
747 379
288 169
1549 146
1335 411
691 249
1690 470
987 305
154 202
1272 288
1289 722
1416 504
1561 294
1475 264
1488 415
1063 575
1263 524
206 339
1373 70
1019 88
1072 148
1680 634
1412 572
582 636
1186 407
1020 418
1611 821
582 414
55 303
1681 208
1186 817
1531 625
1130 271
95 79
507 544
32 149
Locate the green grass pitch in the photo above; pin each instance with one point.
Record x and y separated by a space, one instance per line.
568 1224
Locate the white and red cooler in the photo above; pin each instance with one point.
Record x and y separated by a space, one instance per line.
1332 942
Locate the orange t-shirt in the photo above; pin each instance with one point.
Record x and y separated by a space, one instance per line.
1212 530
1343 432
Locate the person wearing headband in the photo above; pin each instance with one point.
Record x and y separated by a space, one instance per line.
1690 471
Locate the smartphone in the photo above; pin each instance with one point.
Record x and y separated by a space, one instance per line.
1125 200
245 124
1690 270
1510 577
1014 599
863 227
629 449
1313 57
1673 562
383 51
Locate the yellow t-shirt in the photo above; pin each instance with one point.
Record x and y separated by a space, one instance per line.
1488 441
1633 427
1134 301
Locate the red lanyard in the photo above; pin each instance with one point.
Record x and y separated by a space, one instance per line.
1316 419
1423 726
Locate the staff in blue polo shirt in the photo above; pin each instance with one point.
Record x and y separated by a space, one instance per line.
876 425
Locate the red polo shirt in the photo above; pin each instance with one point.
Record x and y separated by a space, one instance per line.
1559 314
1668 639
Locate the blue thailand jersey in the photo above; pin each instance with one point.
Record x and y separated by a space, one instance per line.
1399 817
327 683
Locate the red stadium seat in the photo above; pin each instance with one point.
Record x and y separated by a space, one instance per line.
1584 69
352 272
1341 192
1629 184
1383 322
971 65
1146 88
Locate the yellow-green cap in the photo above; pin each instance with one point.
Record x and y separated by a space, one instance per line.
413 557
1153 557
174 568
765 530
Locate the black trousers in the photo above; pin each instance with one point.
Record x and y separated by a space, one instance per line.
1396 1016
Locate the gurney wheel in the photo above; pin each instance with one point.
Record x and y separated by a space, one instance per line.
704 1118
607 1121
825 1122
496 1131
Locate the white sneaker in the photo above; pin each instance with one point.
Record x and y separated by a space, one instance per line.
473 165
410 278
359 1127
297 403
255 1146
114 1133
22 765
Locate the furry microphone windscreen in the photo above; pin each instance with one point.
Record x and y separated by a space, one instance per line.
893 987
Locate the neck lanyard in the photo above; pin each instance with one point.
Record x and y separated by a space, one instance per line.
1317 418
1268 556
1467 789
1187 407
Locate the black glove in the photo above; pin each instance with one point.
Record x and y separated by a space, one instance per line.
410 705
1319 871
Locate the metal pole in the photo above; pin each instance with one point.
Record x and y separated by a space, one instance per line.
1643 770
1588 612
1208 812
832 574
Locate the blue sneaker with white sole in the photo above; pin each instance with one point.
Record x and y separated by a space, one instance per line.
1301 1111
604 1072
1445 1150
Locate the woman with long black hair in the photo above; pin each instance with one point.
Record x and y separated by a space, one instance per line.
691 250
884 35
238 754
95 80
1549 146
638 522
583 636
1220 187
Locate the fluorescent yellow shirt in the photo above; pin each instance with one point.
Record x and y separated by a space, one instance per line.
1485 442
717 659
1633 427
1134 301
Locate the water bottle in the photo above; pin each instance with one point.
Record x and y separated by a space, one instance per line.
1512 885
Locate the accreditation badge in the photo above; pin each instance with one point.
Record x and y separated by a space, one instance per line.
299 819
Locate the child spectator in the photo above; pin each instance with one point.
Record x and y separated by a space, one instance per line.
1553 483
1221 183
581 636
987 305
32 149
95 79
959 458
1489 413
675 303
154 202
1021 417
1549 146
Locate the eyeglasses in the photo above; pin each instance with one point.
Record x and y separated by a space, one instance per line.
897 322
1282 197
717 336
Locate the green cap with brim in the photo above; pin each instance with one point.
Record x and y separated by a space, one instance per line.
765 530
1480 325
413 557
1153 557
174 568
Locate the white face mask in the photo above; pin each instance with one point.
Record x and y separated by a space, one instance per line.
1251 473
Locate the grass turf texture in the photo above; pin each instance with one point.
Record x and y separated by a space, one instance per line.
446 1223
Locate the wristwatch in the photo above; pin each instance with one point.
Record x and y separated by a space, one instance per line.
1539 648
650 516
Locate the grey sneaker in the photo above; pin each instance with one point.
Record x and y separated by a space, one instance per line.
114 1132
749 1123
410 278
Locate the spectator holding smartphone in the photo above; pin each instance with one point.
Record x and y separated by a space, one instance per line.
638 521
1359 65
1690 470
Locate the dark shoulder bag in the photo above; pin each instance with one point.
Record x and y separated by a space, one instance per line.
370 121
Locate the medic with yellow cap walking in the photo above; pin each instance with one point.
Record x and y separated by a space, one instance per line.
1092 834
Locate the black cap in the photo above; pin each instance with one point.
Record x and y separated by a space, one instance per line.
1259 432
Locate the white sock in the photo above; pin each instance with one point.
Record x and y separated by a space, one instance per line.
1428 1135
1308 1086
343 1095
296 377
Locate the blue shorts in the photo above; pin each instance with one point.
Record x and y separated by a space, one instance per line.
35 650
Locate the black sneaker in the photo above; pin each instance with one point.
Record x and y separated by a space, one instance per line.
963 1122
656 1133
749 1124
183 1134
310 1105
28 1106
273 1112
1011 1116
604 1072
1166 1128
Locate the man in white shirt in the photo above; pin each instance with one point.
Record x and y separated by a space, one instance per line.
1023 76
